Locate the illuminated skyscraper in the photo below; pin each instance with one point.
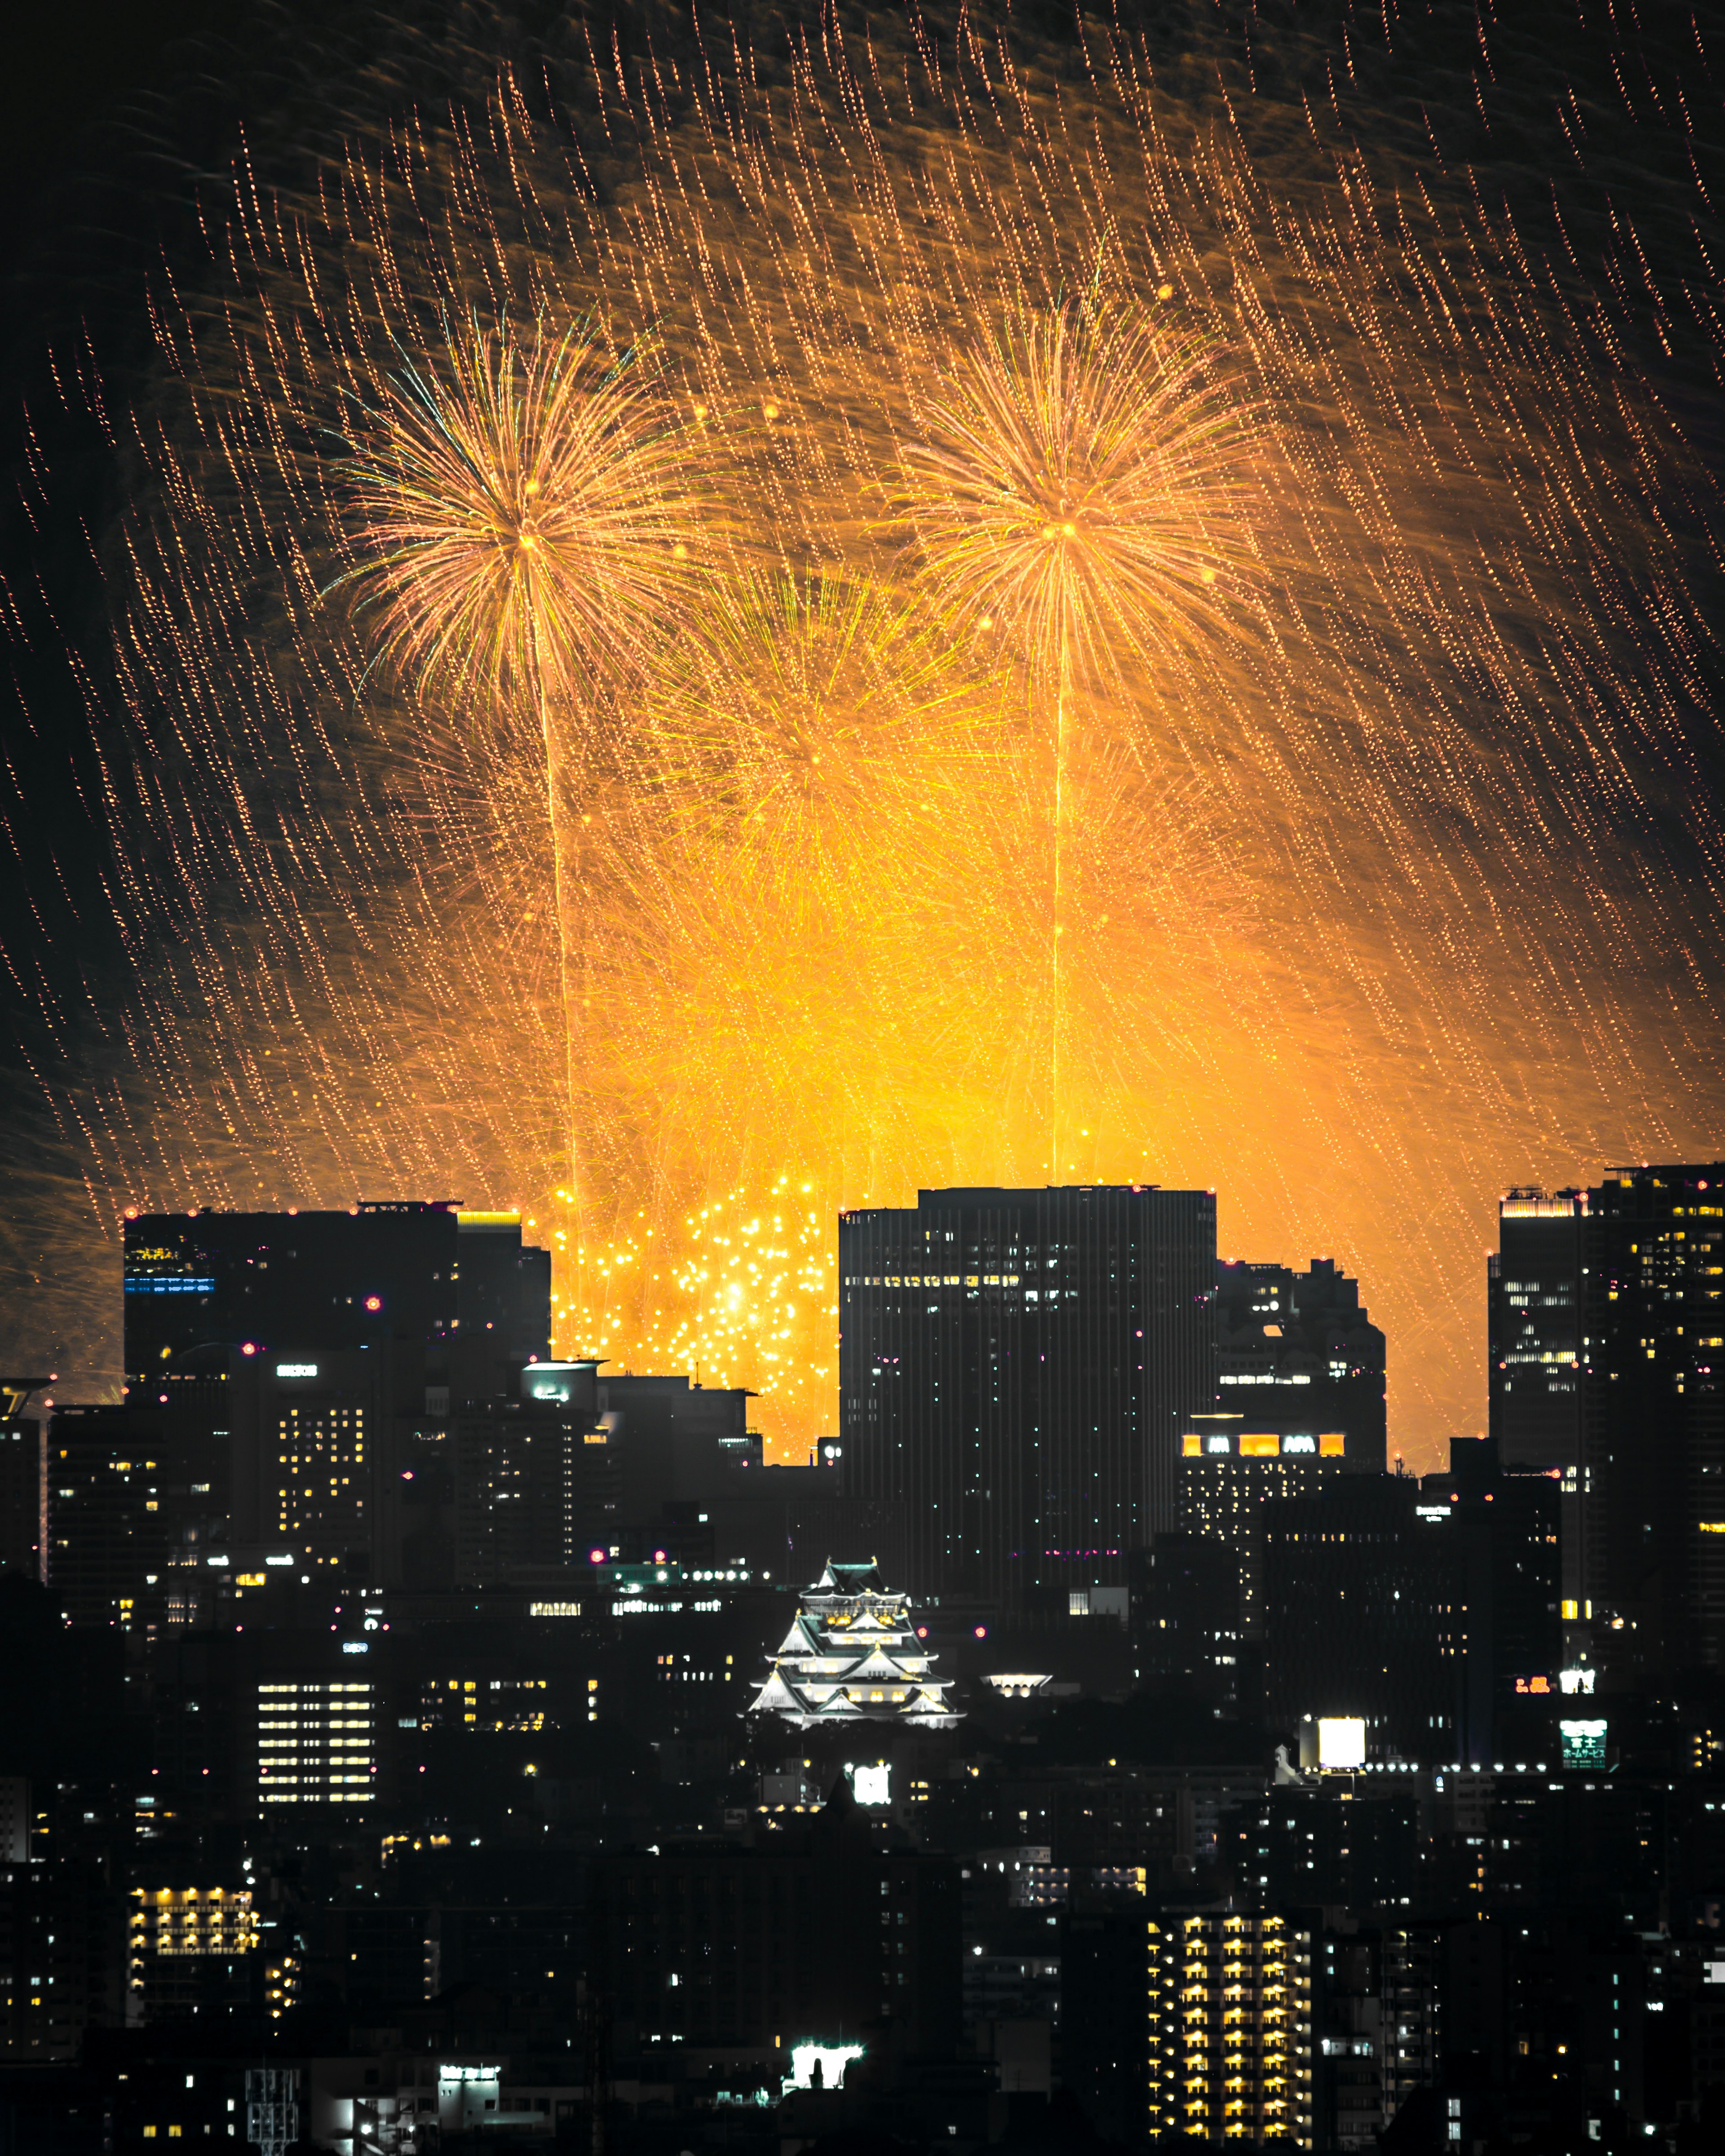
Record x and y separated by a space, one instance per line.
318 1424
1231 1467
1608 1364
1015 1369
1653 1431
463 1287
1533 1302
21 1482
307 1365
317 1741
1364 1614
1536 1357
111 1548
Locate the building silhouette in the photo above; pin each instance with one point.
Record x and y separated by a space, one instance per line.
1297 1352
1015 1369
1535 1355
1653 1402
1607 1331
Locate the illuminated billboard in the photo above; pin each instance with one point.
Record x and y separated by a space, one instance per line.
1341 1741
1584 1742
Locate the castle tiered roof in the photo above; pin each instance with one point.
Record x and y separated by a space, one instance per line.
852 1654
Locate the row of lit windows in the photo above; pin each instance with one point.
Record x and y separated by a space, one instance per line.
271 1794
936 1280
1262 1444
314 1688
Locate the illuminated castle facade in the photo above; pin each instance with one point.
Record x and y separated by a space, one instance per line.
852 1654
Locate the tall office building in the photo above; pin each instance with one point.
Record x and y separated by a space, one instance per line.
1536 1357
1295 1353
461 1285
1533 1323
1365 1614
818 1934
1506 1529
1429 1609
1231 1467
110 1549
21 1482
1015 1368
318 1741
1653 1402
522 1502
305 1366
282 1281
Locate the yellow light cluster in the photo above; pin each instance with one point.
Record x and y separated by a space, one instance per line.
1220 1998
741 1292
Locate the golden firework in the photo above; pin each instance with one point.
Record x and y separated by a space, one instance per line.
1077 492
519 511
1077 488
1368 912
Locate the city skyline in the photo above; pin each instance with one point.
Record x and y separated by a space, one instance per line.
296 920
862 1231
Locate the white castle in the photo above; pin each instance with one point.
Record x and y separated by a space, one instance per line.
852 1654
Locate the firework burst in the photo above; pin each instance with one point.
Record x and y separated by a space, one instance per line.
1079 488
520 513
1077 491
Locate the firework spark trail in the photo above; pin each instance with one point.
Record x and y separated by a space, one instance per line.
1074 489
519 513
1410 892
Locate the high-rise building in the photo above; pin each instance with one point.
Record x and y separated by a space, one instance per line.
1427 1609
1297 1847
22 1483
424 1271
817 1935
642 1468
1504 1528
1229 2003
502 1306
1534 1328
1363 1615
285 1281
1297 1352
189 1949
1231 1467
111 1557
317 1741
62 1959
1536 1357
523 1501
308 1364
1015 1369
1653 1402
318 1428
1184 1613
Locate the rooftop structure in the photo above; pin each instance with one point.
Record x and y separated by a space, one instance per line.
852 1654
